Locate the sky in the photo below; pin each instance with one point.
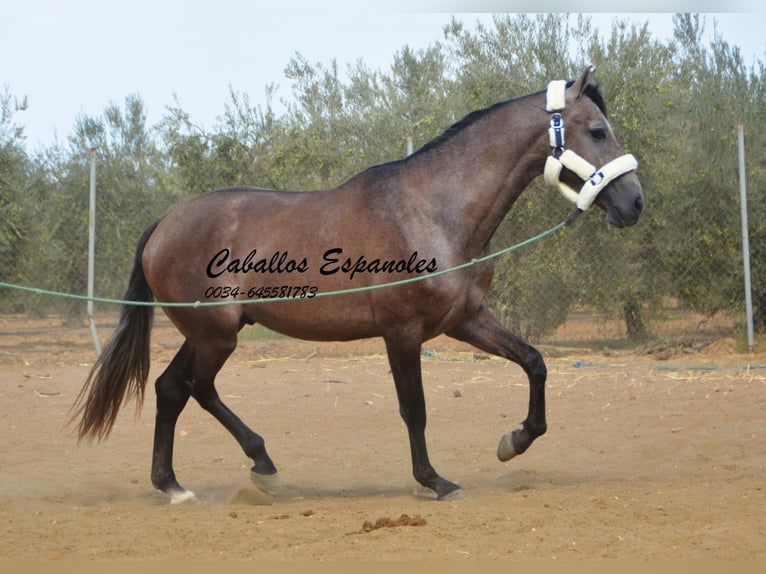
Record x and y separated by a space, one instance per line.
75 57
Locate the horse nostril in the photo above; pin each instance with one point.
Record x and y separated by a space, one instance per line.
639 203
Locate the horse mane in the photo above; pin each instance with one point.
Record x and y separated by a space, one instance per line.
459 126
591 91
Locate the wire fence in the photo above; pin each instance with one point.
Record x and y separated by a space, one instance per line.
654 287
676 281
544 307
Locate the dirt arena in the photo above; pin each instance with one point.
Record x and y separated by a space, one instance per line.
645 459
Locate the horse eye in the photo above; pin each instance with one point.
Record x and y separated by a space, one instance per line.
598 134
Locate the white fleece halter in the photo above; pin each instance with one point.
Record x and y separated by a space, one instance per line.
595 179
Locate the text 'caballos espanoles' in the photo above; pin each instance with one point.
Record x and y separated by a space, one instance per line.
332 262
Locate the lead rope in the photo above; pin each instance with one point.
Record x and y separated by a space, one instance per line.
196 304
595 179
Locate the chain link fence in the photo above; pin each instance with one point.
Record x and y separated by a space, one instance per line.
584 287
673 282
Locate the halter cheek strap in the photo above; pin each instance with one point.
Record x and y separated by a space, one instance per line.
595 179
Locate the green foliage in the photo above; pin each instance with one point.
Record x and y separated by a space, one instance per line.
135 186
14 173
673 104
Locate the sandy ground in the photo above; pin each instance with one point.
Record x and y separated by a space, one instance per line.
644 459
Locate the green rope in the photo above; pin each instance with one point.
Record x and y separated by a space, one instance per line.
472 262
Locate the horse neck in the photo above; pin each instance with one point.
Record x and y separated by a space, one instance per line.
472 178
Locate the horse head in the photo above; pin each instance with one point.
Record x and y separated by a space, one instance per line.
580 137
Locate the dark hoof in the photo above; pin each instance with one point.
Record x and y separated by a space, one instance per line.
447 490
268 483
513 444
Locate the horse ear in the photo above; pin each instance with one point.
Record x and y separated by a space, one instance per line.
587 78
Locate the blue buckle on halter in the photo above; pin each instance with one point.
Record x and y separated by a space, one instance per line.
557 131
597 178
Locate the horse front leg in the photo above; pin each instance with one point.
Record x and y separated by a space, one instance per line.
405 367
484 331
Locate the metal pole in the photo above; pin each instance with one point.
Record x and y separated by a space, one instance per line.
745 237
92 248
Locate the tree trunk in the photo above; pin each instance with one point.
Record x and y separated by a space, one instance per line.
759 311
633 322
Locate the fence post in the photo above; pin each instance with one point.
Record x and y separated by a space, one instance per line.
91 249
745 236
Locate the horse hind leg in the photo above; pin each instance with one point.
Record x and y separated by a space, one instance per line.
173 389
208 361
192 373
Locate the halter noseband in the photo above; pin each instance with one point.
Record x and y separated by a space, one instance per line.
595 179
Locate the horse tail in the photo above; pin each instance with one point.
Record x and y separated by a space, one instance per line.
122 369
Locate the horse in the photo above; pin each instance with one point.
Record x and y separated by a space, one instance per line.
432 210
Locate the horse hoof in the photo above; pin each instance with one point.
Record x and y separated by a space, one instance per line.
268 483
183 496
454 495
505 450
